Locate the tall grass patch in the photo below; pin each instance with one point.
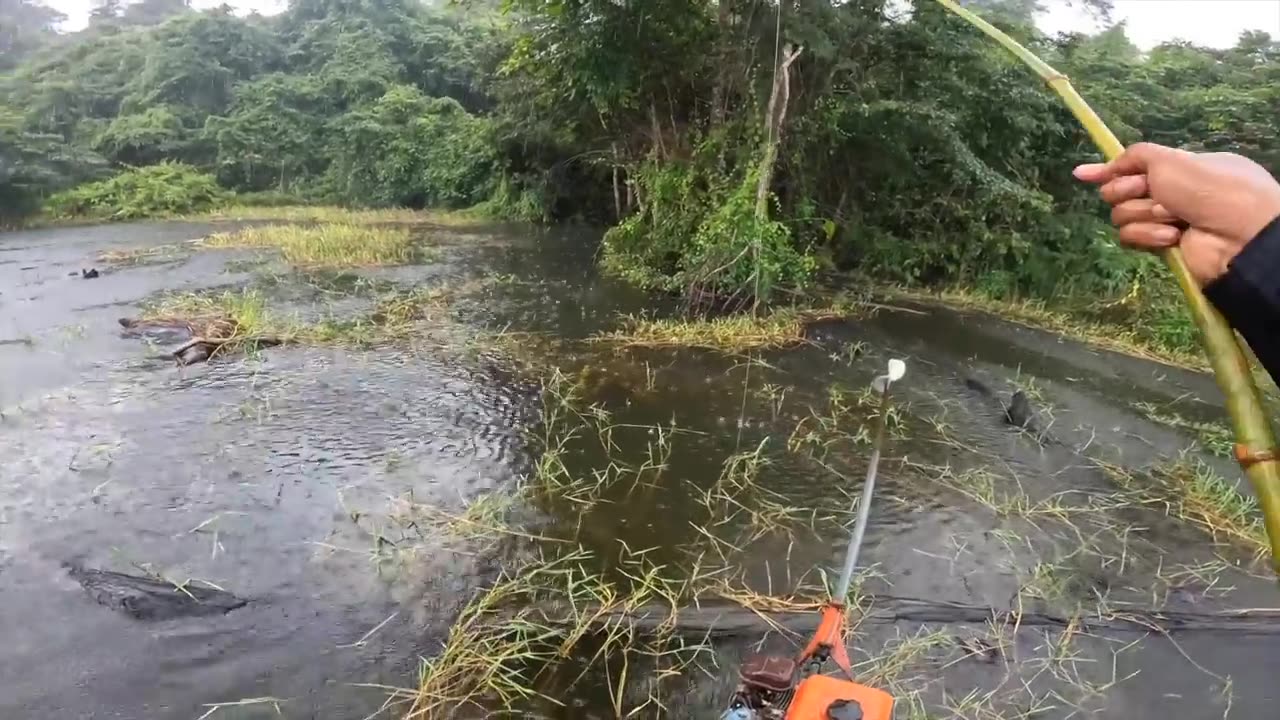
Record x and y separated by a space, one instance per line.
336 244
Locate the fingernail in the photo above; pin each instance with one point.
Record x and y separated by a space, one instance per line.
1167 234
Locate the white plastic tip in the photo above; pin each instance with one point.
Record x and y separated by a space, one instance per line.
897 370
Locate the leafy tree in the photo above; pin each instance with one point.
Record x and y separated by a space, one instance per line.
270 134
33 165
25 25
410 150
142 139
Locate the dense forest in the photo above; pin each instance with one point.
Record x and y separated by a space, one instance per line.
738 145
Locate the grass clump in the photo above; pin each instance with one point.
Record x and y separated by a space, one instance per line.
336 244
733 333
1207 499
241 320
509 642
395 316
777 329
233 319
1214 437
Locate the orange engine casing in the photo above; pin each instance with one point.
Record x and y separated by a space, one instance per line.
815 694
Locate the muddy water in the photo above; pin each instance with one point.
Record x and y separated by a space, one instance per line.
277 477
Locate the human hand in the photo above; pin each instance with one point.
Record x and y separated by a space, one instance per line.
1211 204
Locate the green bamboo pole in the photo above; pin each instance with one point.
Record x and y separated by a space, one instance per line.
1254 439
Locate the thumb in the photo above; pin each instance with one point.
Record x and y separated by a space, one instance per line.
1138 159
1134 161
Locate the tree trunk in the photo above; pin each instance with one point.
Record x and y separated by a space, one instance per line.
719 92
657 131
777 116
617 187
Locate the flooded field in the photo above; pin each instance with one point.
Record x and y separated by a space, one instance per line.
362 493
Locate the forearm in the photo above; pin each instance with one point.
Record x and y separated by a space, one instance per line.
1248 296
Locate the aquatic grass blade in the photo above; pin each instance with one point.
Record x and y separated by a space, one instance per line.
1244 404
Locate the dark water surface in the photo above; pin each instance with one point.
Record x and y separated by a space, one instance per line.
277 477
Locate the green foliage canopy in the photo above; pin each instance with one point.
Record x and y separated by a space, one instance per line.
911 150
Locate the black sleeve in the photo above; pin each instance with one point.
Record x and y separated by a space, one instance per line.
1248 296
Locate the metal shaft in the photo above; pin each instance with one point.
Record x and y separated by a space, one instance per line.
864 503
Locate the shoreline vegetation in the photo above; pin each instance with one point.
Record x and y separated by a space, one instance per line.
1067 320
295 213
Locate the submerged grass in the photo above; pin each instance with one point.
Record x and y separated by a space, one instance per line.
1207 499
235 320
241 319
554 620
507 648
780 327
509 640
148 255
734 333
1190 490
1214 437
332 244
1038 314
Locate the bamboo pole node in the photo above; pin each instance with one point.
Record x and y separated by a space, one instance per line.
1248 457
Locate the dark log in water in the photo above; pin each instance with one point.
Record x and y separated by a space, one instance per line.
724 618
198 342
150 599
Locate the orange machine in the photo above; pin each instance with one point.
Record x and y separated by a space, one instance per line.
778 688
822 697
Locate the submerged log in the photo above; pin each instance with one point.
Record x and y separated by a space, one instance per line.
144 598
721 618
198 340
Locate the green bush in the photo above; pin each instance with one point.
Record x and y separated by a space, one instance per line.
697 227
152 191
520 199
406 149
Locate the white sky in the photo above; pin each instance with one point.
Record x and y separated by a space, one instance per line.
1216 23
